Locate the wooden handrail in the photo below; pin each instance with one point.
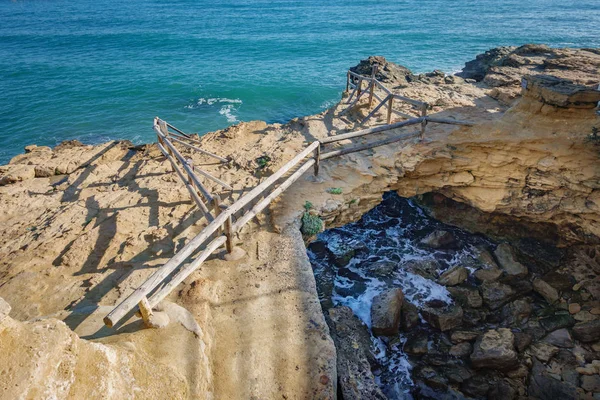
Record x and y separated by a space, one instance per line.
176 138
368 131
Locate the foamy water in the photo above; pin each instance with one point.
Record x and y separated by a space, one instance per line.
390 233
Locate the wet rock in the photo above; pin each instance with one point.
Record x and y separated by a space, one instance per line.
541 257
495 349
382 268
574 308
444 318
545 290
488 275
543 386
502 390
560 338
590 383
454 276
409 317
557 321
584 316
496 294
522 340
466 297
354 357
587 331
416 345
516 312
431 378
543 351
457 373
507 260
385 312
477 386
463 336
439 240
485 259
425 268
461 349
559 281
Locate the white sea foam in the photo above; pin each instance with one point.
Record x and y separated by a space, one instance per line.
227 112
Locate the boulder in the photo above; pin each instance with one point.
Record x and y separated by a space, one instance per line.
466 297
495 349
560 92
17 173
560 338
544 386
557 321
387 71
590 383
516 312
454 276
425 268
354 356
507 259
545 290
439 240
496 294
416 345
385 312
463 336
587 331
461 349
488 274
443 318
543 351
409 317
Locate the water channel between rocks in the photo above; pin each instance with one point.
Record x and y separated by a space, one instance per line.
383 250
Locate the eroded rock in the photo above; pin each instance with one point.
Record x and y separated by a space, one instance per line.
385 312
495 349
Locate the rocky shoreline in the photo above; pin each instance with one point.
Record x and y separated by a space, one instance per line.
82 226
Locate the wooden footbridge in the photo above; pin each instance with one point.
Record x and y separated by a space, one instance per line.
226 220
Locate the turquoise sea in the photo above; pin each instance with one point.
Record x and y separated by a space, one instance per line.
99 70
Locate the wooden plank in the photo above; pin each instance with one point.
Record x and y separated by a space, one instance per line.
409 100
424 122
317 160
177 130
145 310
389 111
352 104
368 131
159 275
208 153
400 113
372 85
383 102
189 187
380 85
449 121
366 146
184 164
185 271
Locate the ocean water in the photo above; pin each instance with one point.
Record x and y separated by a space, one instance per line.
102 70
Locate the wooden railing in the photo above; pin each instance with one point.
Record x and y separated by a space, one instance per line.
157 287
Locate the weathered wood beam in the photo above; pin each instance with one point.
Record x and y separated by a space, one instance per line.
368 131
366 146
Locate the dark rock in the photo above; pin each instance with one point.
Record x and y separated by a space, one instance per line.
387 71
522 341
385 312
590 383
466 297
457 373
543 351
354 356
502 390
383 268
560 338
445 318
496 294
542 288
425 268
477 386
461 350
409 317
439 239
431 378
540 257
516 312
543 386
570 375
557 321
507 260
454 276
478 68
560 92
488 275
464 336
495 349
416 345
560 282
587 331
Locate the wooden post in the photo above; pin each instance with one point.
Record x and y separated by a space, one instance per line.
359 87
317 159
372 86
217 207
347 82
389 114
145 310
229 234
424 121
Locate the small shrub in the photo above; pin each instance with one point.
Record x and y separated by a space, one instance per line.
263 161
308 205
311 224
334 190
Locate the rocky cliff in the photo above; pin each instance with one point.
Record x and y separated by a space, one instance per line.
82 226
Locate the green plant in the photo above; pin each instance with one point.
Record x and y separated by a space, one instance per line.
308 205
263 161
353 201
311 224
336 190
